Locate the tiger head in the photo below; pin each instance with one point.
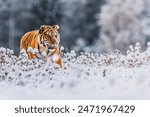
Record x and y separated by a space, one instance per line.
49 38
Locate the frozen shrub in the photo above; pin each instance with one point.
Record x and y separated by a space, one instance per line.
22 71
81 75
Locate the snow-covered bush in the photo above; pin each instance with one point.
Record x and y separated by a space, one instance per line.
84 76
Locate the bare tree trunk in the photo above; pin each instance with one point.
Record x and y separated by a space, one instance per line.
11 28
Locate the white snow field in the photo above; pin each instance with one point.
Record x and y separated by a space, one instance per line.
84 76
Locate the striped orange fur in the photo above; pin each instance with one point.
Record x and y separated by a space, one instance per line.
46 39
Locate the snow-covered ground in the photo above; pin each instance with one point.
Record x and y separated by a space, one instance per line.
84 76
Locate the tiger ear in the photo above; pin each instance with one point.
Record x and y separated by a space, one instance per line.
56 27
42 29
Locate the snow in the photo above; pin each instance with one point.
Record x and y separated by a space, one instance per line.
55 57
44 54
83 76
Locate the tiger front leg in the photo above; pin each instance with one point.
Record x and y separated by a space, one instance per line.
56 58
59 62
31 55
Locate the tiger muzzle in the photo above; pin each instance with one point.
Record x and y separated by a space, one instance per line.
53 46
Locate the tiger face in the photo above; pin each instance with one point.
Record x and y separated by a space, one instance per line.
49 38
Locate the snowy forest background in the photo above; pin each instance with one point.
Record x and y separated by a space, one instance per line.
90 25
112 37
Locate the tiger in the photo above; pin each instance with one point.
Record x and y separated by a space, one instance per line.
45 39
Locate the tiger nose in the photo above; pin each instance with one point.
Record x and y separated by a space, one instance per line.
52 46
